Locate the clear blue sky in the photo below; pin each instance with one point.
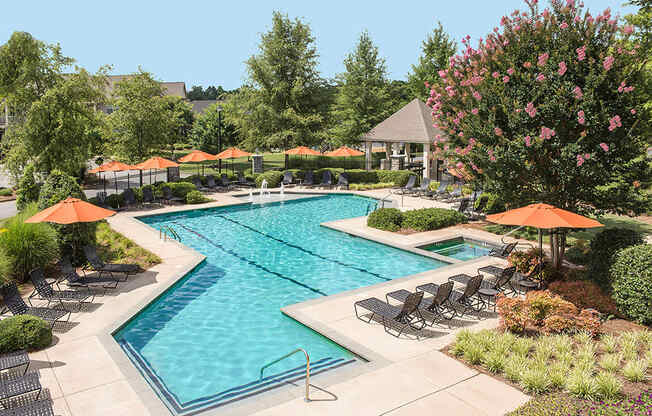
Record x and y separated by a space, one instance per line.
207 42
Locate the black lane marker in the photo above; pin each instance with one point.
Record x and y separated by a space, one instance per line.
312 253
259 266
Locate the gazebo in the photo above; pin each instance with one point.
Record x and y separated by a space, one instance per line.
410 124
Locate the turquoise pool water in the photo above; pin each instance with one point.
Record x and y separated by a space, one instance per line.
459 248
203 342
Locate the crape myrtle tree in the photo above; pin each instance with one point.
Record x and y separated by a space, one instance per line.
548 109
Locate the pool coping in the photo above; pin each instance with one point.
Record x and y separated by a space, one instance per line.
279 394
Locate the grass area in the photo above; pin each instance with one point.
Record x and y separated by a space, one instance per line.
113 247
579 366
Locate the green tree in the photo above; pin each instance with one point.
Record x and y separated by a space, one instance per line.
363 93
279 108
182 118
28 189
436 51
549 110
143 122
205 130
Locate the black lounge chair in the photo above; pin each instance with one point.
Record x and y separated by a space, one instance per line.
326 179
436 306
454 195
464 207
407 315
423 188
504 251
435 194
129 197
148 196
212 184
343 181
288 178
477 210
242 181
26 384
17 306
73 279
169 197
200 187
309 180
226 182
409 186
101 199
489 290
13 360
465 300
35 408
110 268
43 290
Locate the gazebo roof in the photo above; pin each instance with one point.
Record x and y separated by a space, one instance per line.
411 124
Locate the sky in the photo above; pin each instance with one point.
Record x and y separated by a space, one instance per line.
207 42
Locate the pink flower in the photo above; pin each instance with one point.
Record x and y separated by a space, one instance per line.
530 110
510 71
604 146
474 111
578 93
527 64
459 165
562 68
587 156
628 29
541 77
543 58
505 79
495 74
563 25
628 89
580 117
614 123
442 73
498 131
477 95
528 141
621 87
546 133
580 160
633 111
451 91
581 53
461 134
608 62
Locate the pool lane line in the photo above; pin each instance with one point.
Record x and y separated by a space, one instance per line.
312 253
253 263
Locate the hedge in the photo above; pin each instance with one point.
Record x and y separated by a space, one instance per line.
196 197
273 179
388 219
631 274
425 219
397 177
24 332
604 246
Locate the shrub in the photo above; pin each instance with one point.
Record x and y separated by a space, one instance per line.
578 253
608 387
494 203
525 261
24 332
115 200
604 246
196 197
6 192
632 282
634 370
57 187
582 384
28 189
181 189
585 294
388 219
427 219
273 179
397 177
535 380
27 246
610 362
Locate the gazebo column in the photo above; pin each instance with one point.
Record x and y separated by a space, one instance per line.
426 160
367 155
407 152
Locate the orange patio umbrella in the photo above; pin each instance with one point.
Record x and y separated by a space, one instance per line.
344 151
302 151
114 167
232 153
70 211
543 216
197 156
155 163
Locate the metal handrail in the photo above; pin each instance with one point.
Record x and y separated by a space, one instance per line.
163 233
262 369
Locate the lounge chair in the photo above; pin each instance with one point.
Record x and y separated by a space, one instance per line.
407 315
466 300
73 279
17 306
343 181
454 195
148 196
110 268
212 184
435 306
242 181
200 187
309 180
504 251
477 211
435 194
423 188
409 186
226 182
326 179
129 197
13 360
43 290
169 197
36 408
288 178
489 290
26 384
464 207
101 199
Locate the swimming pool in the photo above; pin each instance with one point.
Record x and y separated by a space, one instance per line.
202 343
459 248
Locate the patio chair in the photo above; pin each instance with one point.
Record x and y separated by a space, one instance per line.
169 197
288 178
504 251
464 207
525 283
212 183
407 315
309 179
129 197
477 211
43 290
436 306
101 199
326 179
343 181
226 182
110 268
148 196
435 194
468 299
26 384
200 187
409 186
423 188
17 306
73 279
489 290
242 181
453 196
14 360
36 408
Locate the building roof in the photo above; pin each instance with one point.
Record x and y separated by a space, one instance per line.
411 124
199 106
177 89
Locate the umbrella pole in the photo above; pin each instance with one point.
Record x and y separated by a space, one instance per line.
104 181
128 181
115 178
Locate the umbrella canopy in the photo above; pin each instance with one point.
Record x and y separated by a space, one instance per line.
232 153
197 156
344 151
156 163
114 166
70 211
303 151
543 216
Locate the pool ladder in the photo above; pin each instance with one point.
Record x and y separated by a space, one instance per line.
262 369
168 232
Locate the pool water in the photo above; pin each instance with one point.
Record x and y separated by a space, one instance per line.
203 342
459 249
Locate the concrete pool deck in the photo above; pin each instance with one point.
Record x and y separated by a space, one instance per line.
88 374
